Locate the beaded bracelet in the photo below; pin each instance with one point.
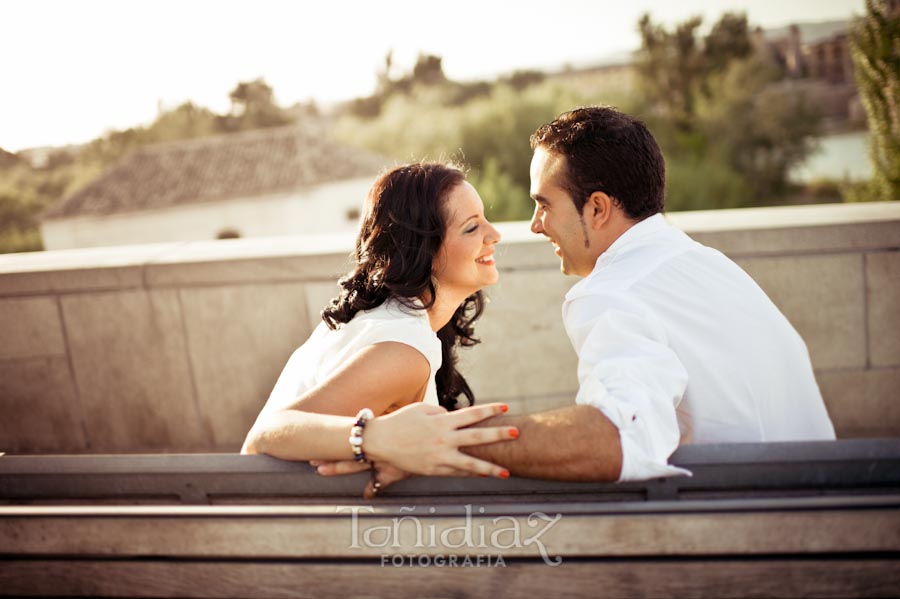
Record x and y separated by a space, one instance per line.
356 434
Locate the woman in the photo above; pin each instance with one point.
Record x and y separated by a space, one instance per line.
388 340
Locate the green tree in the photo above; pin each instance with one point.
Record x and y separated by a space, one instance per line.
675 67
876 57
253 107
428 70
670 67
184 122
504 199
729 126
759 126
729 39
488 133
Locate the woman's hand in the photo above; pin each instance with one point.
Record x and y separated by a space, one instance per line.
425 439
383 474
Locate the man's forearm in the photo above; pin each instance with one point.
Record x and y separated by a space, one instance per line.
571 443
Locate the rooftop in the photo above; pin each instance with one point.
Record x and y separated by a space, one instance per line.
246 164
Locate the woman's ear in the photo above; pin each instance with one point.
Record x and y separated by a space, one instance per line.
598 210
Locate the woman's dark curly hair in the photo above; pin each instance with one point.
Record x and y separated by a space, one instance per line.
401 231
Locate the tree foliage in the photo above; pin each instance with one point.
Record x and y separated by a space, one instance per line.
729 126
875 49
253 107
675 67
425 80
487 133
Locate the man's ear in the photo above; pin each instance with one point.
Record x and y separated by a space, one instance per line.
598 210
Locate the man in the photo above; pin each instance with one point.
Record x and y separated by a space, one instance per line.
675 343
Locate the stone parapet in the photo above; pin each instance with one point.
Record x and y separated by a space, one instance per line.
174 347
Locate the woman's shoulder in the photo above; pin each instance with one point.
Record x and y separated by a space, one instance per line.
393 310
396 321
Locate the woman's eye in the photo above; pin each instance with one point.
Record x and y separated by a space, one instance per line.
471 229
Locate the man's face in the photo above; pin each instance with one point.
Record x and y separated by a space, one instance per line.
555 215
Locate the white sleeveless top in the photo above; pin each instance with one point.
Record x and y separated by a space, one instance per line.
327 349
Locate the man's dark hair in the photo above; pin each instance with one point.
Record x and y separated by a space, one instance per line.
609 151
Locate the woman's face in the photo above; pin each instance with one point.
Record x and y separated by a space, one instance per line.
465 261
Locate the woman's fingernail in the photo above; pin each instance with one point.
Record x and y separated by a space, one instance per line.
314 463
504 408
513 433
504 474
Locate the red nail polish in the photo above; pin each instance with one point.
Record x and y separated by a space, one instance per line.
514 433
504 408
504 474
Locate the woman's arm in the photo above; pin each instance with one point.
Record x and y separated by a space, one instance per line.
312 426
424 439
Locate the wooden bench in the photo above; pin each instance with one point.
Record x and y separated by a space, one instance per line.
785 519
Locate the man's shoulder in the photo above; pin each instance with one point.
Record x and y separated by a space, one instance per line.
623 270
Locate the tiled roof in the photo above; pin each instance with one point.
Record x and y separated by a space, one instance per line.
246 164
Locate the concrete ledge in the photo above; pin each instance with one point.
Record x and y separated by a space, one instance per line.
174 347
738 232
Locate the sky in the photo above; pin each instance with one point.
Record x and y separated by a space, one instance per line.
71 70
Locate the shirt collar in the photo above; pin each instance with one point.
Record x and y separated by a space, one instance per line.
636 232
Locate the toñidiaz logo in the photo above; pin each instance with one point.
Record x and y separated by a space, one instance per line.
424 539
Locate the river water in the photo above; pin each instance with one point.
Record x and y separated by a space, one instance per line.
840 157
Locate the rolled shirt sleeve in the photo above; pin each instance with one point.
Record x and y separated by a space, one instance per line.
627 370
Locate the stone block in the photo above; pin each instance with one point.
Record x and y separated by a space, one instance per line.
240 338
525 350
301 258
85 269
40 409
30 327
132 372
883 292
862 403
765 231
823 297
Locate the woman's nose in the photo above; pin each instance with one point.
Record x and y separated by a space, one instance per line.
494 236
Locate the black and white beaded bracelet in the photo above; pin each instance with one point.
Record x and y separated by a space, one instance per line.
356 434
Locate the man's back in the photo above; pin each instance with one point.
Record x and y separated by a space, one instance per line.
748 373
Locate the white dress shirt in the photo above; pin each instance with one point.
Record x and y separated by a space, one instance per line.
677 344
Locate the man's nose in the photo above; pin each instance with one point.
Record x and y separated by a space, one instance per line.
536 226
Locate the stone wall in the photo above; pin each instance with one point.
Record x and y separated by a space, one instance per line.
174 347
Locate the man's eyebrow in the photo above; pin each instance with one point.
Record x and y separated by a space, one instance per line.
540 198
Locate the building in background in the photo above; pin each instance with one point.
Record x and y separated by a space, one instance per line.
266 182
815 59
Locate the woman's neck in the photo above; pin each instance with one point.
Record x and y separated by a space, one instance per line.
445 305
